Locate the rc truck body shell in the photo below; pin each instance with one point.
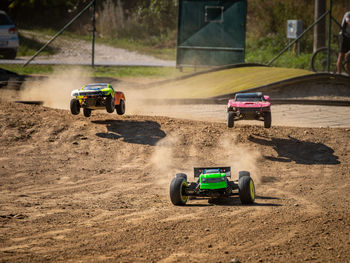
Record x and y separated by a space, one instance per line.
97 96
212 182
213 178
249 106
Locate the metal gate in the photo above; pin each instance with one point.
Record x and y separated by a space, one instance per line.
211 33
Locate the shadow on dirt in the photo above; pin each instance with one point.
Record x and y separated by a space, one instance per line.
234 201
138 132
301 152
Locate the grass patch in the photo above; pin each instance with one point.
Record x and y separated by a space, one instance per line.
29 70
286 60
29 46
101 71
225 81
258 51
152 46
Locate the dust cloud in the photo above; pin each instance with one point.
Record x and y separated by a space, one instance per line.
171 157
55 90
144 101
163 159
239 156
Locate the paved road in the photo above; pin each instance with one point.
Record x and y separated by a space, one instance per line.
282 115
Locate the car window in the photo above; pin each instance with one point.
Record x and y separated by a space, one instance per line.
94 87
5 20
257 98
212 171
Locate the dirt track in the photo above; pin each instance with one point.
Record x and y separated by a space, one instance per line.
86 190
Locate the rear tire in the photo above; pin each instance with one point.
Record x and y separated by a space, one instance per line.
267 120
110 104
87 112
181 175
246 190
243 173
230 119
74 106
121 108
178 191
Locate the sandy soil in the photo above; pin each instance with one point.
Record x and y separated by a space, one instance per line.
75 189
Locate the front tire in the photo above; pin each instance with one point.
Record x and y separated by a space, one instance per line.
246 190
74 106
230 119
243 173
110 104
178 191
87 112
181 175
267 120
121 108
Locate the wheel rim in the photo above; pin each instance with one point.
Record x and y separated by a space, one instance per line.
182 191
252 190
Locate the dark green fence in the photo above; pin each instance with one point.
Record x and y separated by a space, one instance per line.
211 33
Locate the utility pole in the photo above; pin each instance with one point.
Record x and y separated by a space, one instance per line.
329 35
93 33
320 28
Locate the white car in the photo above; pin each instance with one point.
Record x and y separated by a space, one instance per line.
8 37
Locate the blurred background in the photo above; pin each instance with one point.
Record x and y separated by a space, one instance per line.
150 26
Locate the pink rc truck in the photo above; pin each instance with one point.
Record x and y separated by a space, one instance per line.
249 106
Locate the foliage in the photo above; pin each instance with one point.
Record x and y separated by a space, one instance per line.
150 25
31 13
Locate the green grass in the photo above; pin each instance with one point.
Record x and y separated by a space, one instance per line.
151 46
286 60
29 46
265 49
100 71
224 82
28 70
258 51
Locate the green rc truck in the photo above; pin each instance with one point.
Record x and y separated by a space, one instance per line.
212 182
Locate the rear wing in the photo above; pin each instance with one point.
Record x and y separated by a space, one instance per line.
199 170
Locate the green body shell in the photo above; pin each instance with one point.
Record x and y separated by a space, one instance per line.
213 181
108 91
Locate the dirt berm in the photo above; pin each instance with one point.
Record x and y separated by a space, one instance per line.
75 189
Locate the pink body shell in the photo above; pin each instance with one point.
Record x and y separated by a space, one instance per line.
247 104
